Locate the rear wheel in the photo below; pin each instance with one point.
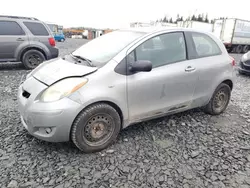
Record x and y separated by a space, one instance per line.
62 40
219 100
238 49
32 58
95 128
229 50
245 49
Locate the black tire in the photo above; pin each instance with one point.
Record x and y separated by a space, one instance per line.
32 58
245 49
222 90
229 50
238 49
99 116
62 40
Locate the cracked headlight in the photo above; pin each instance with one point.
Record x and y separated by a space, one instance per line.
62 89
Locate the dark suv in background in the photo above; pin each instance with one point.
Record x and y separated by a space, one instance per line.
27 40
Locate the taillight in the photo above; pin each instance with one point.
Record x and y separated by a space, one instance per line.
52 41
233 61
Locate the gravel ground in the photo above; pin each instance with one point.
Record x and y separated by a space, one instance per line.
190 149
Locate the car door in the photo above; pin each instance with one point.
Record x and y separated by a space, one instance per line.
11 37
169 86
209 63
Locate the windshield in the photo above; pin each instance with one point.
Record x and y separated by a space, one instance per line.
104 48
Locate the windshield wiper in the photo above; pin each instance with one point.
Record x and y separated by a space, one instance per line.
84 59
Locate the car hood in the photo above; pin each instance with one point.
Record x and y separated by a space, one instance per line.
51 71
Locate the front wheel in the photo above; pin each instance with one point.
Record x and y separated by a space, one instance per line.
95 128
219 100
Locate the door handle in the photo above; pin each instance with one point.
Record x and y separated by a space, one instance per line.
189 69
20 39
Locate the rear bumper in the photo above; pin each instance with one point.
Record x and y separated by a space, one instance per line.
54 53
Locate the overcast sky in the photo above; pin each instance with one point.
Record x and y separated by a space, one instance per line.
119 13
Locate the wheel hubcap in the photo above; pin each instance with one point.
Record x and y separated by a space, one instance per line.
34 60
98 129
221 99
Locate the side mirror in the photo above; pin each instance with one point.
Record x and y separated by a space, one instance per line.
140 66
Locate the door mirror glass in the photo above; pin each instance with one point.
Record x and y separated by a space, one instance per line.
141 66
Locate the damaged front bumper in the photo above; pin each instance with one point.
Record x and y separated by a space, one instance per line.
46 121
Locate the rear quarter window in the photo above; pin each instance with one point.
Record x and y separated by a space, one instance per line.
36 29
205 45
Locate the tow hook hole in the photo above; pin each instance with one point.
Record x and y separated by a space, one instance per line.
48 130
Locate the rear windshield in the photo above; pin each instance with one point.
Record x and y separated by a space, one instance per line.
104 48
36 29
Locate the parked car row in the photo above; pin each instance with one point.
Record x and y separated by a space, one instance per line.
32 42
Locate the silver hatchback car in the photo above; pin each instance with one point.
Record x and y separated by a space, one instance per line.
121 78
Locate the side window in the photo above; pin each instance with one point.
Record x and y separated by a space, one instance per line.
152 44
163 49
36 29
10 28
205 45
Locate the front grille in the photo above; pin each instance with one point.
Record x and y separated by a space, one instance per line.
26 94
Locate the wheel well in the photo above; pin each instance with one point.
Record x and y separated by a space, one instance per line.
32 48
229 83
117 108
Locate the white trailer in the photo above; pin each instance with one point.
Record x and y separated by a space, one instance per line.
234 33
208 27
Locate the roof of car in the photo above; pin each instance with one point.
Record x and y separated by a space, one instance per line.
156 29
18 17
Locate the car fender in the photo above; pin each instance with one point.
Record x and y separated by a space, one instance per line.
221 78
41 47
98 89
20 49
86 103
